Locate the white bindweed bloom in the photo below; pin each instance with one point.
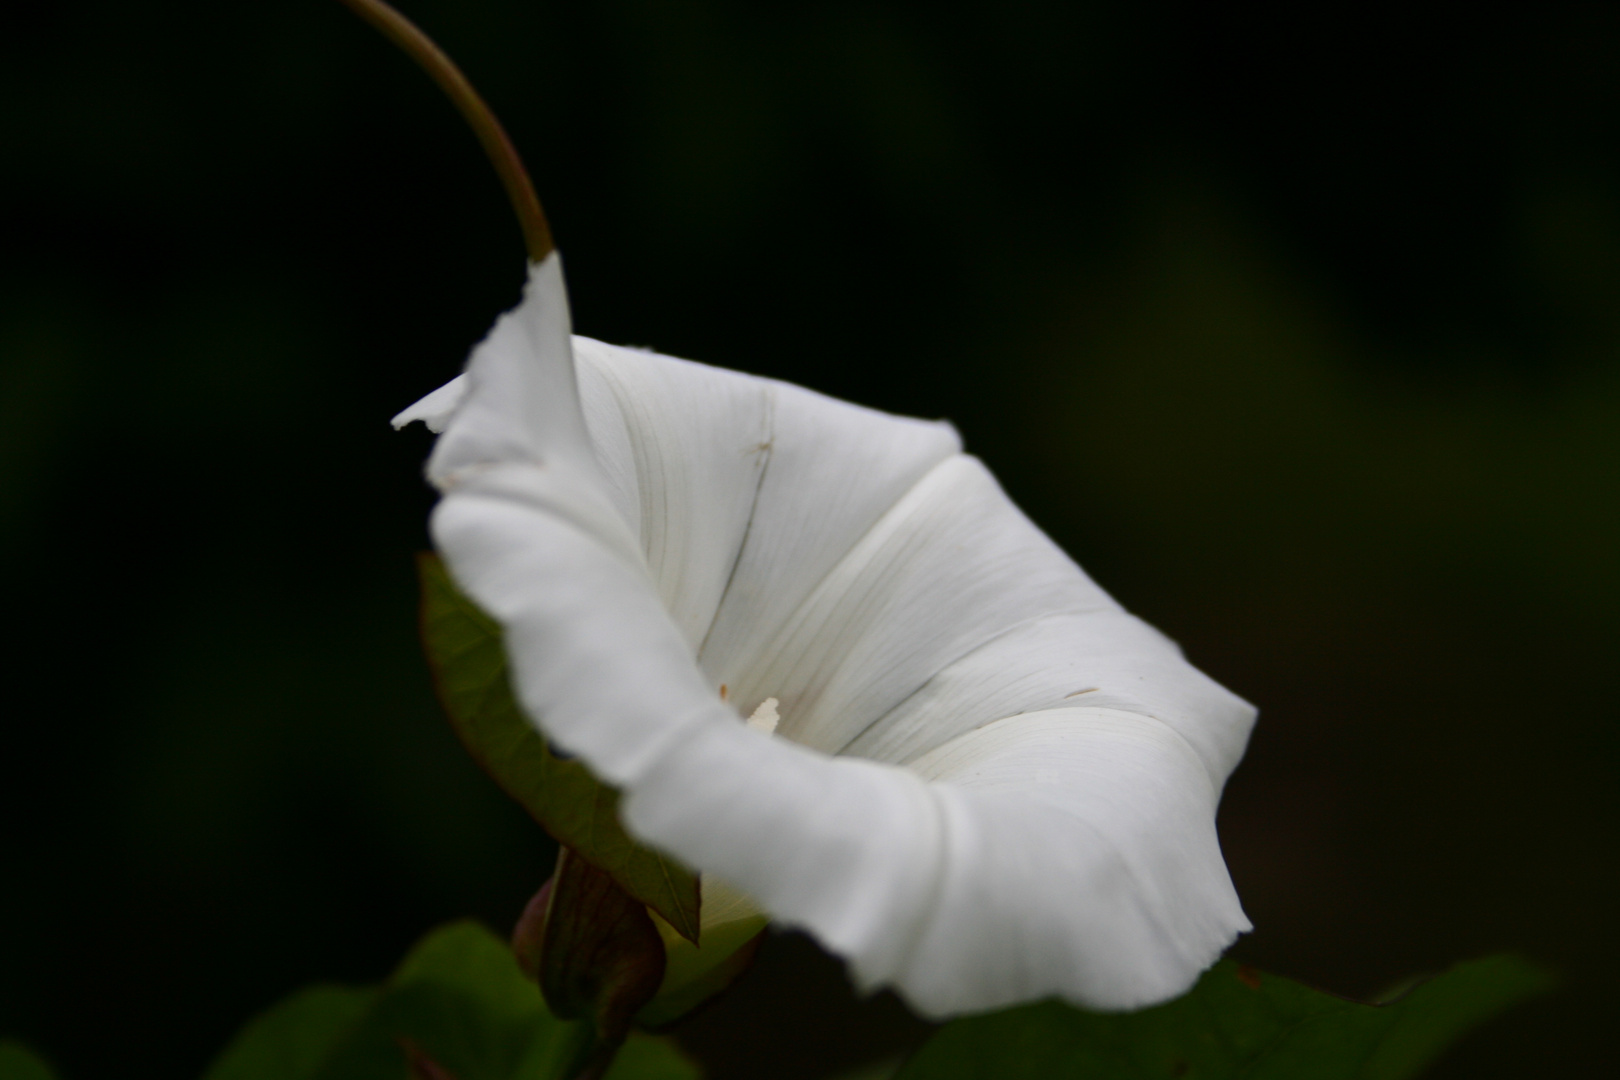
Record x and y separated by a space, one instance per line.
967 770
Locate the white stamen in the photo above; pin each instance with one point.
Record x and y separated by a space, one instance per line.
765 718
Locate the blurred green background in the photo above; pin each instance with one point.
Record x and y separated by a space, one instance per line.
1297 325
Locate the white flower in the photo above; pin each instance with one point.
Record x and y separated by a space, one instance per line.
987 783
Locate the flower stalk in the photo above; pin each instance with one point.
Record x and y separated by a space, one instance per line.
491 135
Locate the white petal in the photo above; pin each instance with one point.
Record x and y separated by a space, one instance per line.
522 402
845 848
685 446
1081 861
710 468
436 409
595 657
951 565
1100 659
1068 853
834 470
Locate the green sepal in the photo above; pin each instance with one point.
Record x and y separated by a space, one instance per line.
680 995
1236 1022
468 658
461 1001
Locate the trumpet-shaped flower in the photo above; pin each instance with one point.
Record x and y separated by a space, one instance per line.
965 768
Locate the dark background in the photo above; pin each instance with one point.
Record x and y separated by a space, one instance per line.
1297 327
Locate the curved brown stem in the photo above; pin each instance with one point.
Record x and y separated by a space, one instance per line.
502 154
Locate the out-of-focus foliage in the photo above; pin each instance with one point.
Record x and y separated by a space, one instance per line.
1237 1022
460 1006
294 1039
1299 327
458 1002
17 1062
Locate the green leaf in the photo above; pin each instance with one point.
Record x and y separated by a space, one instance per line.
882 1069
461 1000
647 1057
458 1000
1235 1023
17 1062
458 1007
469 664
292 1039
